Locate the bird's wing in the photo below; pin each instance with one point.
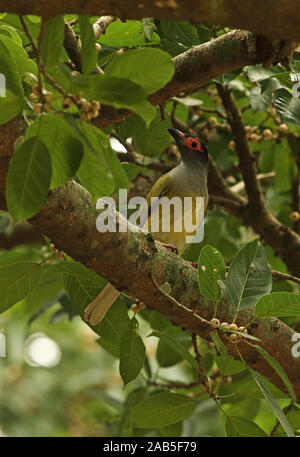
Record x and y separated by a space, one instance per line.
161 188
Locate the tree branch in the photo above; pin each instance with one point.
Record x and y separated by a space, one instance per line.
246 158
277 20
101 25
69 220
72 46
284 241
198 66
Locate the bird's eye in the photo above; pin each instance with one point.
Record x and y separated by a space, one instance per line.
194 144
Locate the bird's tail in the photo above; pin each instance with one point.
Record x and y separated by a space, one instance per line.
97 309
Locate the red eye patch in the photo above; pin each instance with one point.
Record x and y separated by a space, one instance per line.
193 143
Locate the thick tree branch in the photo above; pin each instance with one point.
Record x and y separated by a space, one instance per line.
284 241
133 262
277 20
199 65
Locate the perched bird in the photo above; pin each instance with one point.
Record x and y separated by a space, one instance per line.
188 179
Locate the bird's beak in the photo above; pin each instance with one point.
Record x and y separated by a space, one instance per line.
177 135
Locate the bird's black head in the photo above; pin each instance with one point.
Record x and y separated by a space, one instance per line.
189 146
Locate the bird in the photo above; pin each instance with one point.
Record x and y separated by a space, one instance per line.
187 179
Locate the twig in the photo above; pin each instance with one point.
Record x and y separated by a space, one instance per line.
259 126
244 108
213 111
38 56
26 30
41 65
174 385
101 25
162 107
284 276
72 46
226 202
202 376
246 158
262 177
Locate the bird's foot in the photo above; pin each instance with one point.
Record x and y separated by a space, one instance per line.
170 246
194 264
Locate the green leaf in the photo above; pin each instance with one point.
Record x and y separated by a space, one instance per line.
112 90
129 33
149 28
14 21
279 370
88 48
119 92
180 32
132 170
226 78
23 63
266 161
132 353
260 100
93 177
109 347
226 363
28 179
114 323
260 73
171 430
6 222
161 410
146 111
155 68
52 41
278 304
11 32
133 398
81 284
172 47
153 140
9 69
101 171
174 345
239 426
249 277
287 106
283 164
65 150
10 106
272 402
211 268
156 320
17 280
293 416
218 343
